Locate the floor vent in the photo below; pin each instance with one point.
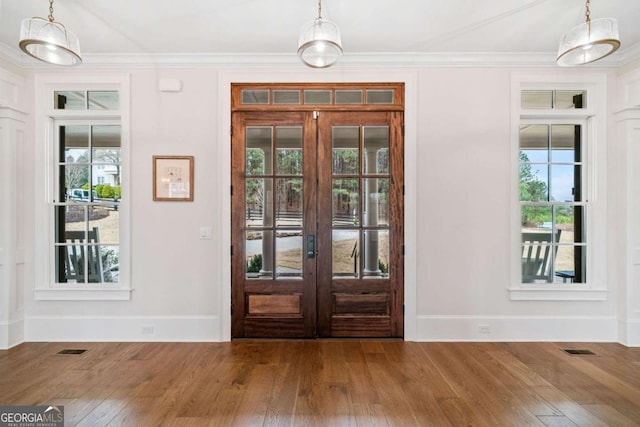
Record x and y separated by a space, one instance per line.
580 352
71 351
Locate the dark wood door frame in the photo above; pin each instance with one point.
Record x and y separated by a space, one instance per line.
316 304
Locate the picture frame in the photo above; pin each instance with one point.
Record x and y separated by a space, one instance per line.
173 178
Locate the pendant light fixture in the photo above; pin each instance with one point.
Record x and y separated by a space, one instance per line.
320 45
49 41
588 42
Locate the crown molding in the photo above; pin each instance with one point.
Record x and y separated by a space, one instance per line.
628 55
373 59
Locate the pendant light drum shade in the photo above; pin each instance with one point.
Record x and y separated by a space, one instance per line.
320 45
49 41
589 42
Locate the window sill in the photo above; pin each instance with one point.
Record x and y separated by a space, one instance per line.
555 293
83 294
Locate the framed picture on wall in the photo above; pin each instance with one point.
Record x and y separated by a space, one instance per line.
173 178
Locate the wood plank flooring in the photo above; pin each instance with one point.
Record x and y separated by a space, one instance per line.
327 383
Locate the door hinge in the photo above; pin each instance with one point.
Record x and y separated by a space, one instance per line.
403 250
403 309
231 190
316 114
231 250
403 190
231 308
231 130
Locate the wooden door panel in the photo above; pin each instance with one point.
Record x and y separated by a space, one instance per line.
367 304
364 297
361 304
360 326
268 303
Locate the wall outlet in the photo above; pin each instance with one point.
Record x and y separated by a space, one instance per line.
484 329
147 330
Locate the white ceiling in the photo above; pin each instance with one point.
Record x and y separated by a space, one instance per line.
240 31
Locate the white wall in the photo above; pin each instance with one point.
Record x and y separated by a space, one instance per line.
12 225
464 206
458 209
626 261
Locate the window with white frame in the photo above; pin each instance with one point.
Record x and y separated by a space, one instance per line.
559 210
86 212
552 207
551 189
87 227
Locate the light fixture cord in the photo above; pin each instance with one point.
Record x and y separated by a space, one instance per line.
319 9
51 11
588 13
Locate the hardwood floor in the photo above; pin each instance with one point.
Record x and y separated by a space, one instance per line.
327 383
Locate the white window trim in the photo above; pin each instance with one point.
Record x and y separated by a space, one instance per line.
595 117
45 115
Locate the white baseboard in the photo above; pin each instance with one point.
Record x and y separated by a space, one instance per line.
140 329
11 334
516 328
428 328
630 333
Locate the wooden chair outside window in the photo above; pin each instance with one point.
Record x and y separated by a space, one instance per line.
75 259
536 256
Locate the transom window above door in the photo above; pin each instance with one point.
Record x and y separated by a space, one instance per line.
376 97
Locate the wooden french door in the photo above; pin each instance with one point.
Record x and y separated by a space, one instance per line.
317 224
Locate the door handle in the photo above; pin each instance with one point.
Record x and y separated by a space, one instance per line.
311 246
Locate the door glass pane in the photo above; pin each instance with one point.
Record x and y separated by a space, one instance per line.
375 253
345 253
259 197
289 150
380 96
317 97
375 199
259 252
376 150
286 96
346 209
255 96
258 150
346 149
348 96
289 202
289 254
